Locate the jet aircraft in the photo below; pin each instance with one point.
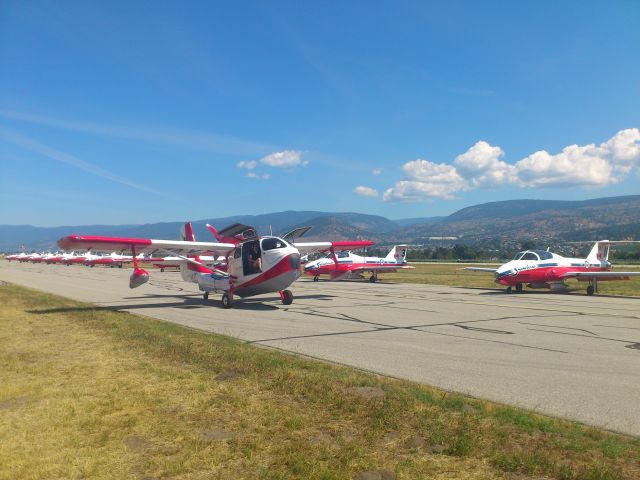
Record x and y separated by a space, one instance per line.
545 269
345 265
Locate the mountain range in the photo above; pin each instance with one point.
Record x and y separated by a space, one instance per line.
503 222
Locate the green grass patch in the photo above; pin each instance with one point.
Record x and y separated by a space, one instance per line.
92 393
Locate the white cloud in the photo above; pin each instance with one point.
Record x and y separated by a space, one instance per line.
425 179
259 176
574 166
366 191
249 165
376 171
482 166
284 159
624 149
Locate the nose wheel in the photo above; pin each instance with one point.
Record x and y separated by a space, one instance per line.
287 297
315 278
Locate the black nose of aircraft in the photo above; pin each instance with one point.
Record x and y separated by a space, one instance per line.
294 261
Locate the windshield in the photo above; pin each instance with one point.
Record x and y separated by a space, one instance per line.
518 255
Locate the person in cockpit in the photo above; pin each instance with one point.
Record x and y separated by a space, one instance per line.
255 260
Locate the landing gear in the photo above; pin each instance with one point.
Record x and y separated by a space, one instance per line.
508 290
287 297
315 278
593 287
120 266
590 290
205 296
227 300
518 287
373 278
162 269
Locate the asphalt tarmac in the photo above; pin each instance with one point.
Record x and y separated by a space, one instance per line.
565 355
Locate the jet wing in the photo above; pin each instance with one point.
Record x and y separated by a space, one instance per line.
600 274
370 267
143 245
309 247
478 269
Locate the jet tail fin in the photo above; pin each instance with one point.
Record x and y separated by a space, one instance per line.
398 254
599 253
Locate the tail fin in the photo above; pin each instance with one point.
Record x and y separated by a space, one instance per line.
398 254
188 271
599 253
186 233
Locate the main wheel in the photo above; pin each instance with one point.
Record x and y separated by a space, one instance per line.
120 266
372 279
590 290
162 269
519 287
205 295
508 290
227 301
315 278
287 297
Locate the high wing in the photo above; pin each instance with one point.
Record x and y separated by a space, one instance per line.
309 247
600 274
479 269
143 245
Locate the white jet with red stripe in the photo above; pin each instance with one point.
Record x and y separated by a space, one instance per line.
253 265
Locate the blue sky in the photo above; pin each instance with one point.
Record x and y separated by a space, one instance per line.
134 112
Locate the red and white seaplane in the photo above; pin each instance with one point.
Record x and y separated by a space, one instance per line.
343 265
254 265
544 269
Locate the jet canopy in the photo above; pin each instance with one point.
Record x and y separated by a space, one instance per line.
533 255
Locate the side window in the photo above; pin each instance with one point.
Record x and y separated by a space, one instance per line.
272 243
237 253
530 256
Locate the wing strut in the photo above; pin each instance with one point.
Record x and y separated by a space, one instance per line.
333 254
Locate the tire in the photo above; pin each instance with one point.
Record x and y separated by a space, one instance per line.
590 290
372 279
162 269
518 287
508 290
315 278
205 296
287 297
227 302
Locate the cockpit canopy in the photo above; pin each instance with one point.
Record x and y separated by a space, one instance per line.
341 254
533 255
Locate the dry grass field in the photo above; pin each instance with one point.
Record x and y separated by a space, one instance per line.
455 275
92 393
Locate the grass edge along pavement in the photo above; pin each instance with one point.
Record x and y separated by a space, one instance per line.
90 392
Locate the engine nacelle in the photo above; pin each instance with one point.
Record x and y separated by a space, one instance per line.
139 277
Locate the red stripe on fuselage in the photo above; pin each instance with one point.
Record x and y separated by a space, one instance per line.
283 266
544 275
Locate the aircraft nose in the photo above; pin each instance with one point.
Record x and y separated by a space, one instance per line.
294 261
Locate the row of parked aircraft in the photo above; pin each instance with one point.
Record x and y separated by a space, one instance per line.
241 263
89 259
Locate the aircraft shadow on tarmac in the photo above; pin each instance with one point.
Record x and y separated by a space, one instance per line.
187 302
